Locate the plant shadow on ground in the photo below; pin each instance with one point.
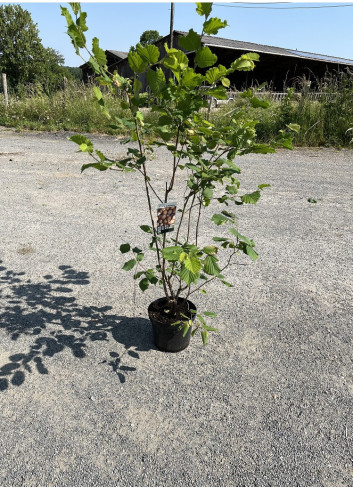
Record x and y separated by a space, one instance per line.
48 312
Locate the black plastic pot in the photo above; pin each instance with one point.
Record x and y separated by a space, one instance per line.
169 337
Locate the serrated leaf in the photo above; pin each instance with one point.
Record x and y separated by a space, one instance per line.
210 250
205 58
212 75
218 92
149 53
251 198
204 8
129 265
136 63
98 53
211 265
192 263
187 276
84 143
124 248
213 25
226 82
191 79
242 64
190 42
172 253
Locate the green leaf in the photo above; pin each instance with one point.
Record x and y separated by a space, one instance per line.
294 127
236 233
259 149
204 335
251 252
129 265
156 81
209 314
256 103
202 291
219 219
264 185
97 93
210 250
187 276
149 53
76 7
251 198
212 25
226 82
218 92
144 284
84 143
186 328
124 248
140 256
172 253
97 166
67 15
137 86
136 63
204 8
213 75
191 79
190 42
205 58
98 53
312 201
175 60
242 64
192 263
146 229
211 265
254 57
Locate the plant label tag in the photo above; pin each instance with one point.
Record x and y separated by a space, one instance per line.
166 217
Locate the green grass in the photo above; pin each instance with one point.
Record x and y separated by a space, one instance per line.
323 122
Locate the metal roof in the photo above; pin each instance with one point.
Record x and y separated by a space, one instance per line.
119 54
262 48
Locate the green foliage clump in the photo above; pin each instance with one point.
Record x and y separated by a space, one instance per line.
22 56
201 156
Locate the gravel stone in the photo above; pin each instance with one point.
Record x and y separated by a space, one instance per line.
87 400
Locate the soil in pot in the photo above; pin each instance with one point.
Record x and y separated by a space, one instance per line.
169 337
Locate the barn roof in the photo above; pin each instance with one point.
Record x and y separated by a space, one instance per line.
119 54
221 42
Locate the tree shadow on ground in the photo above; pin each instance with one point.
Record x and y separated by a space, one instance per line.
48 312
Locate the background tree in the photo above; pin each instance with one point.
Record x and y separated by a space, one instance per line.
23 57
147 37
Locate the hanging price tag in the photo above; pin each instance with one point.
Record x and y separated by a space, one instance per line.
166 217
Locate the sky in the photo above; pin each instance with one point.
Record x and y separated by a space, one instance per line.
119 25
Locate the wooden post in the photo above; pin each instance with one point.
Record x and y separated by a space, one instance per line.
4 87
171 24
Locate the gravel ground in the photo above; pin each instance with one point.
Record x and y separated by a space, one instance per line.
87 400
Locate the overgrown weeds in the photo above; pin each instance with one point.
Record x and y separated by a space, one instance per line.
324 115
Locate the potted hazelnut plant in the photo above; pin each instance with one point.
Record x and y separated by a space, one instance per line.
180 90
